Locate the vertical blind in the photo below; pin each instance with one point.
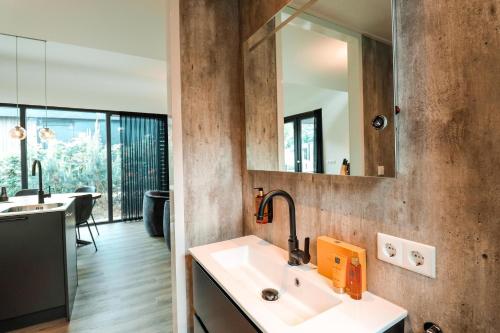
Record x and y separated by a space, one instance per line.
144 161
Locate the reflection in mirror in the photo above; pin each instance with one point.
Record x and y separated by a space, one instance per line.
319 90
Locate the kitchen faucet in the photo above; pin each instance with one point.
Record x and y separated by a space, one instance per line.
295 255
41 194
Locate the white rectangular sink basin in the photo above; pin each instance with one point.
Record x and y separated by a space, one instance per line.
244 266
298 298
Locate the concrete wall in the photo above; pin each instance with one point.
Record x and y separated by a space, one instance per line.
262 132
211 119
447 187
378 99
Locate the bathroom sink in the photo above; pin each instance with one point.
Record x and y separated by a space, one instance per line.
278 297
298 298
32 208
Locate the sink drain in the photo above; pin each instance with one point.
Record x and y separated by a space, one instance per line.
270 294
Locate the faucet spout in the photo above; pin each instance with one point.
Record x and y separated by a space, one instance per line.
36 163
291 207
41 195
295 255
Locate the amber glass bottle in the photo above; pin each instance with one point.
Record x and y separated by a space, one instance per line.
353 279
268 210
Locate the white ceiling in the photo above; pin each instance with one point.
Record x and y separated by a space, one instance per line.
314 59
369 17
134 27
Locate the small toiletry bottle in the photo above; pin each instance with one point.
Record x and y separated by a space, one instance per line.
353 278
3 195
268 210
344 168
339 273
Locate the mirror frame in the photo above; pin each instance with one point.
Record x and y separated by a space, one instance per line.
248 47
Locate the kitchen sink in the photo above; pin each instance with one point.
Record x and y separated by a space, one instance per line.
32 208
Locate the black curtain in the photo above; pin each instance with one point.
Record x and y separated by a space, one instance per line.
144 160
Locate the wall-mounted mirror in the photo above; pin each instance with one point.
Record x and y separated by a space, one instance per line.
319 90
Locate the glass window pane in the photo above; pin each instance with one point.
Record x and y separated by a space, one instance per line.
75 158
307 142
289 138
10 151
116 167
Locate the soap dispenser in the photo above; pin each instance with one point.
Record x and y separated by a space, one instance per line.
268 211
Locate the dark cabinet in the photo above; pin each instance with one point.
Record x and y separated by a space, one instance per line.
70 258
214 311
37 267
31 257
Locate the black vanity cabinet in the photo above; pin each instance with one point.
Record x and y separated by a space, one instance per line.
216 312
38 274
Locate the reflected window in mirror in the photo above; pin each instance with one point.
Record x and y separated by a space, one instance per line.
303 144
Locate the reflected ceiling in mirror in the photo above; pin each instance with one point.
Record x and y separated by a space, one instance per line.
319 90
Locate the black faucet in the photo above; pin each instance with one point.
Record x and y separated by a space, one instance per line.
295 255
41 194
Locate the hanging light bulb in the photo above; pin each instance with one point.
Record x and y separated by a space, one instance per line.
46 133
18 132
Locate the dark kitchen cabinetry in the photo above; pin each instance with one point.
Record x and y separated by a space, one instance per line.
38 276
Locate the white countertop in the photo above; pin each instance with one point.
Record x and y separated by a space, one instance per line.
65 199
371 314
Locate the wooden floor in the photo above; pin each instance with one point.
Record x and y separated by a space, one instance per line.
123 287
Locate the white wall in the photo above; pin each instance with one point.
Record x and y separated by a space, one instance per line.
319 66
81 77
335 118
136 27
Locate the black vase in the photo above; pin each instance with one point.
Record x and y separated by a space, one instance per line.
154 203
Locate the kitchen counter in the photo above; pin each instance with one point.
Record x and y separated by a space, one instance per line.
38 258
65 199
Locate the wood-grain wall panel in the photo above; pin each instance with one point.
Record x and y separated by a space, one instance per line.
211 119
378 99
261 118
211 124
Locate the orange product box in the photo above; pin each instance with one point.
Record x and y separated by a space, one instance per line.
333 254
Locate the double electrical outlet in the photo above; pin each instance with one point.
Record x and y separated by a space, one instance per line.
416 257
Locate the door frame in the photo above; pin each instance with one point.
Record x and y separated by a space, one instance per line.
318 138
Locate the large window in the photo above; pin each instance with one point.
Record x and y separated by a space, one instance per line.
303 142
10 151
87 151
75 158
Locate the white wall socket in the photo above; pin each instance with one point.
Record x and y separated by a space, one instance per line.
416 257
390 249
